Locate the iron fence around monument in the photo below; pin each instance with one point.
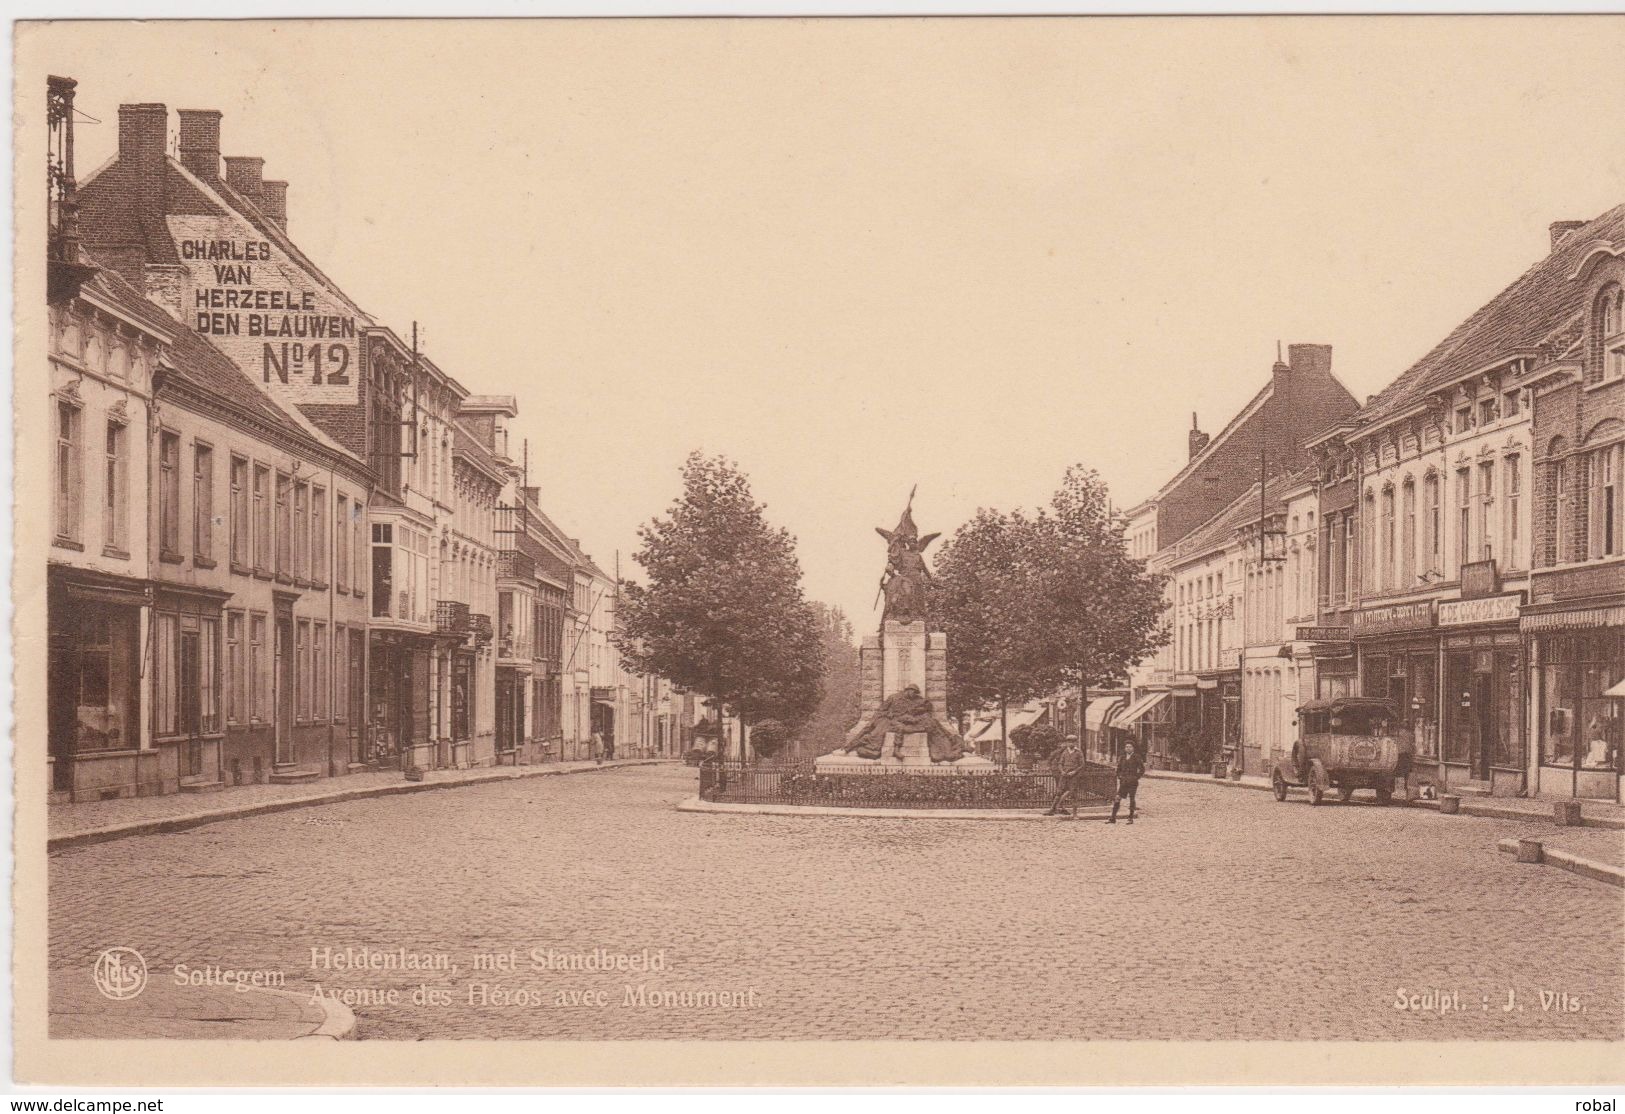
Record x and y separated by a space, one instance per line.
799 783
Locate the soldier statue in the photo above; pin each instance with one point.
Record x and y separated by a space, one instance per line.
906 578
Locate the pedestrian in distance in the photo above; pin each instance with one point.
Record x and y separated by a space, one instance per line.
597 748
1129 769
1068 763
609 747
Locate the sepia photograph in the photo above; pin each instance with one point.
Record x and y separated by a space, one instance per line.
959 552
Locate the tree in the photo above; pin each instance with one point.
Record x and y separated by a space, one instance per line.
840 707
722 612
1034 602
1104 608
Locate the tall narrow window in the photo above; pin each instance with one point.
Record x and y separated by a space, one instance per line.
1388 579
318 534
262 520
1464 517
1486 510
358 552
1512 528
202 501
166 709
1602 521
341 543
236 695
301 664
169 494
116 494
1609 325
1407 545
1560 543
1432 525
319 670
208 676
258 670
301 531
284 524
240 529
69 474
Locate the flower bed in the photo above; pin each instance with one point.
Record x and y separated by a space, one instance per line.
805 786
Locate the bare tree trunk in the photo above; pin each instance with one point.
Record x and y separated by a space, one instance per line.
1004 730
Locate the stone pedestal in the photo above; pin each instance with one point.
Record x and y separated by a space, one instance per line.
903 654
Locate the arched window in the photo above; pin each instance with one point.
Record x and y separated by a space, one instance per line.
1608 331
1388 537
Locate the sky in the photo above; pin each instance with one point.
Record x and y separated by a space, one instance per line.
855 256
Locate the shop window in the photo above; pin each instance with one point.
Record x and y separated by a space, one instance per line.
99 677
186 675
1581 728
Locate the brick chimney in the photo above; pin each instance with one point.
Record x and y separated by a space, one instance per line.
200 142
1196 440
274 203
1562 229
243 174
143 134
1310 361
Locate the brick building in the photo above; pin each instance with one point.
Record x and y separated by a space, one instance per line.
1574 625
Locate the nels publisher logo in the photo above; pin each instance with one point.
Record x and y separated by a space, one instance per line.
120 973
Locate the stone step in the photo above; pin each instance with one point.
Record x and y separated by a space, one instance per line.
198 785
1470 788
291 775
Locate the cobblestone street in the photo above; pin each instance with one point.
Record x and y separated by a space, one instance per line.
1222 915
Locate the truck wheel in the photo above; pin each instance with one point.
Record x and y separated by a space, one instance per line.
1278 785
1317 789
1345 793
1385 796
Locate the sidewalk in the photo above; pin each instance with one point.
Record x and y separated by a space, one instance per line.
95 821
79 1011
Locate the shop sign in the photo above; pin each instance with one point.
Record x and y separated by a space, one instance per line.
1323 634
1393 618
1478 580
1606 580
1495 609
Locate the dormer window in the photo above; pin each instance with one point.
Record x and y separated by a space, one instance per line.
1608 325
1487 411
1509 403
1464 418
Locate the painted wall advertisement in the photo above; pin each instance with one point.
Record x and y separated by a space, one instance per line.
283 328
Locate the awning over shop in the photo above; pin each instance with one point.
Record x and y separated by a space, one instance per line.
1100 710
1139 709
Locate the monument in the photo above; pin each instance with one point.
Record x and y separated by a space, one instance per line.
904 676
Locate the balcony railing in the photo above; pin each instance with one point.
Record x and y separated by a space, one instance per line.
451 617
481 626
514 563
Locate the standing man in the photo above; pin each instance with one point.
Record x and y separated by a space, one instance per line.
1069 763
1129 769
598 748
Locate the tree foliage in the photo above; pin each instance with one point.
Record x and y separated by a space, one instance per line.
722 611
1036 601
840 707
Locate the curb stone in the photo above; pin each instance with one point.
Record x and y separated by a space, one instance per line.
198 819
694 804
1574 864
